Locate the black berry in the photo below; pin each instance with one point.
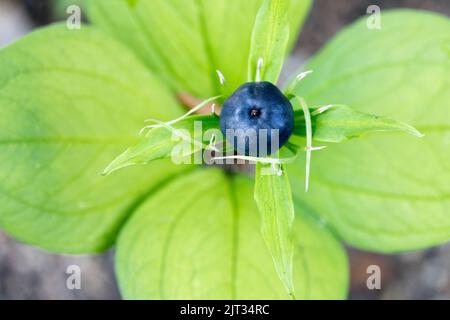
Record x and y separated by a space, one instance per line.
253 115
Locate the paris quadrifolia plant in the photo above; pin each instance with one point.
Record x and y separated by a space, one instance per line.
161 128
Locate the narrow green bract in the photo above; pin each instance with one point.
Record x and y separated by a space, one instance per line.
274 200
339 123
269 40
160 142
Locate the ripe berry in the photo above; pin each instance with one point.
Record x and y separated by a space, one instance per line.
253 107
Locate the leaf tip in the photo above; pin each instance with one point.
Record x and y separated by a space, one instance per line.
115 165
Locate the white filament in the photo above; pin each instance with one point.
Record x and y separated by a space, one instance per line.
303 75
221 77
322 109
272 161
193 110
308 141
259 69
185 137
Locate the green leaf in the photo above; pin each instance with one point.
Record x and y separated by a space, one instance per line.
211 247
70 101
339 123
185 41
272 191
160 142
385 192
273 197
132 3
269 41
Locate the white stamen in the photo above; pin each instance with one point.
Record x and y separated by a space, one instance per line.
315 148
181 134
303 75
221 77
308 141
322 109
213 108
193 110
145 128
258 159
298 78
259 69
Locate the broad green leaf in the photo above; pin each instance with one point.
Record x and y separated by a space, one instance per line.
340 123
70 101
385 192
132 3
269 41
161 142
185 41
210 247
274 201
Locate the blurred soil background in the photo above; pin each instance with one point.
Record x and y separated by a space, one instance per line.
29 273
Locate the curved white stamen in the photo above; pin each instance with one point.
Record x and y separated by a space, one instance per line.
141 132
315 148
181 134
259 69
303 75
222 79
308 141
323 109
213 108
296 81
193 110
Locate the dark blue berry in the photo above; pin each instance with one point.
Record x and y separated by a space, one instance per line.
252 107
